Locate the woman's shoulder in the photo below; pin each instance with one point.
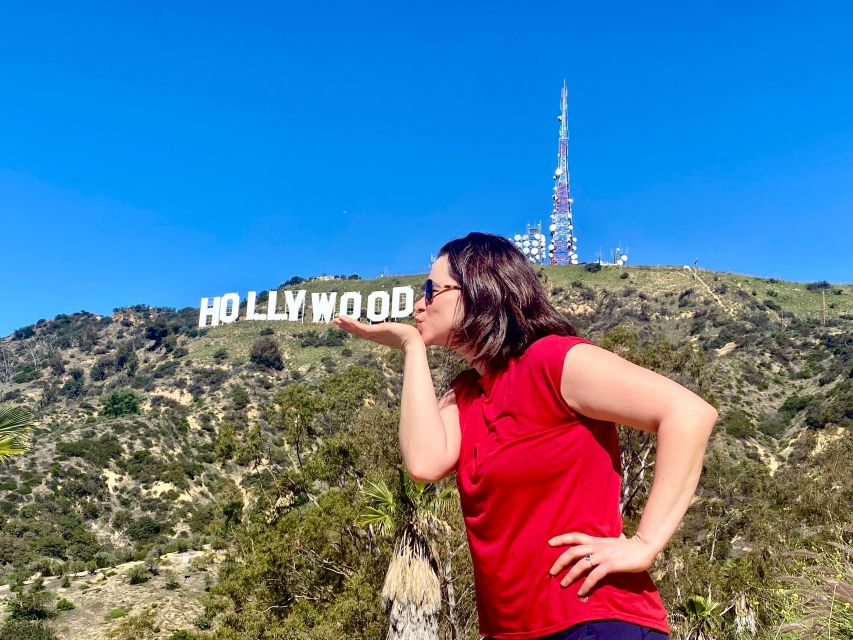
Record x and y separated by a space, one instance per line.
553 342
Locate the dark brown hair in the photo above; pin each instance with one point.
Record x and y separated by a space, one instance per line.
506 307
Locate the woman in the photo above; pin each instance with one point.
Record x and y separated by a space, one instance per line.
530 431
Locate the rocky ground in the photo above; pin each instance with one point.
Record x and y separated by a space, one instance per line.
96 595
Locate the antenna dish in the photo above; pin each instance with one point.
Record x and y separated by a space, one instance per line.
624 257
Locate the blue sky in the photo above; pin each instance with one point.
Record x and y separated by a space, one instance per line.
160 153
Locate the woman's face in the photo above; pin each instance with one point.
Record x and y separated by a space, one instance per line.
436 320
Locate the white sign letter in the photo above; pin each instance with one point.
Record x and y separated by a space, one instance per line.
323 306
272 303
355 298
226 314
384 306
250 309
396 294
296 305
206 312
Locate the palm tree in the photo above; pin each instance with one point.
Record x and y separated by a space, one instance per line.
16 425
412 589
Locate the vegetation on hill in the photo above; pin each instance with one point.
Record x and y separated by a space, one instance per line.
276 443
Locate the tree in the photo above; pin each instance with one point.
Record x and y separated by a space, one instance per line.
265 353
412 589
294 410
121 402
75 386
16 424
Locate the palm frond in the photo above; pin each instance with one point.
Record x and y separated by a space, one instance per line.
16 425
381 508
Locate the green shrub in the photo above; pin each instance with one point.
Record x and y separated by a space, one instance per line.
64 605
26 630
171 580
118 612
265 353
138 574
121 402
31 605
738 424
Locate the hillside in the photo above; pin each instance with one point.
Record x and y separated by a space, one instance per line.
156 437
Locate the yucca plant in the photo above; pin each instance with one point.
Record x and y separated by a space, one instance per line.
412 589
16 425
703 617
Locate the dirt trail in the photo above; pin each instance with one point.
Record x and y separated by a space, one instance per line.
696 276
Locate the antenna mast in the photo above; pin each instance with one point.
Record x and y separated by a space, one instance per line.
562 248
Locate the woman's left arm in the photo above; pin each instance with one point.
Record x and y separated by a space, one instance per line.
601 385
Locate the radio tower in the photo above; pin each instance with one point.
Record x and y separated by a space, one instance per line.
563 249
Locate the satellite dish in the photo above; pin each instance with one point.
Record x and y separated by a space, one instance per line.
559 171
571 199
618 263
624 257
560 118
526 250
517 236
574 261
553 227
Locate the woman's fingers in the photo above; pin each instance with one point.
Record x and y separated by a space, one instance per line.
390 334
571 538
606 555
592 579
568 557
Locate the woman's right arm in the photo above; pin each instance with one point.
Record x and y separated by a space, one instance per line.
429 430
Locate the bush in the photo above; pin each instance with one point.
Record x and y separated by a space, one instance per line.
773 424
118 612
221 354
26 630
738 424
121 402
265 353
75 386
267 331
31 605
64 605
171 580
817 286
138 574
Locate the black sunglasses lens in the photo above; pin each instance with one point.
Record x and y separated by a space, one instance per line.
428 290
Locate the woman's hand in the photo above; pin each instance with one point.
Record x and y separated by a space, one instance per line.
391 334
600 556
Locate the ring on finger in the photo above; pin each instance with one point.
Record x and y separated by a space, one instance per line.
588 558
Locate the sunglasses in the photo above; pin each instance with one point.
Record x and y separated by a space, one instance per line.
431 289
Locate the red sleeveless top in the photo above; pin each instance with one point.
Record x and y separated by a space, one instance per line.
529 469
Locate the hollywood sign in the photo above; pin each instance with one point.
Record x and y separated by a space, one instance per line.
380 306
